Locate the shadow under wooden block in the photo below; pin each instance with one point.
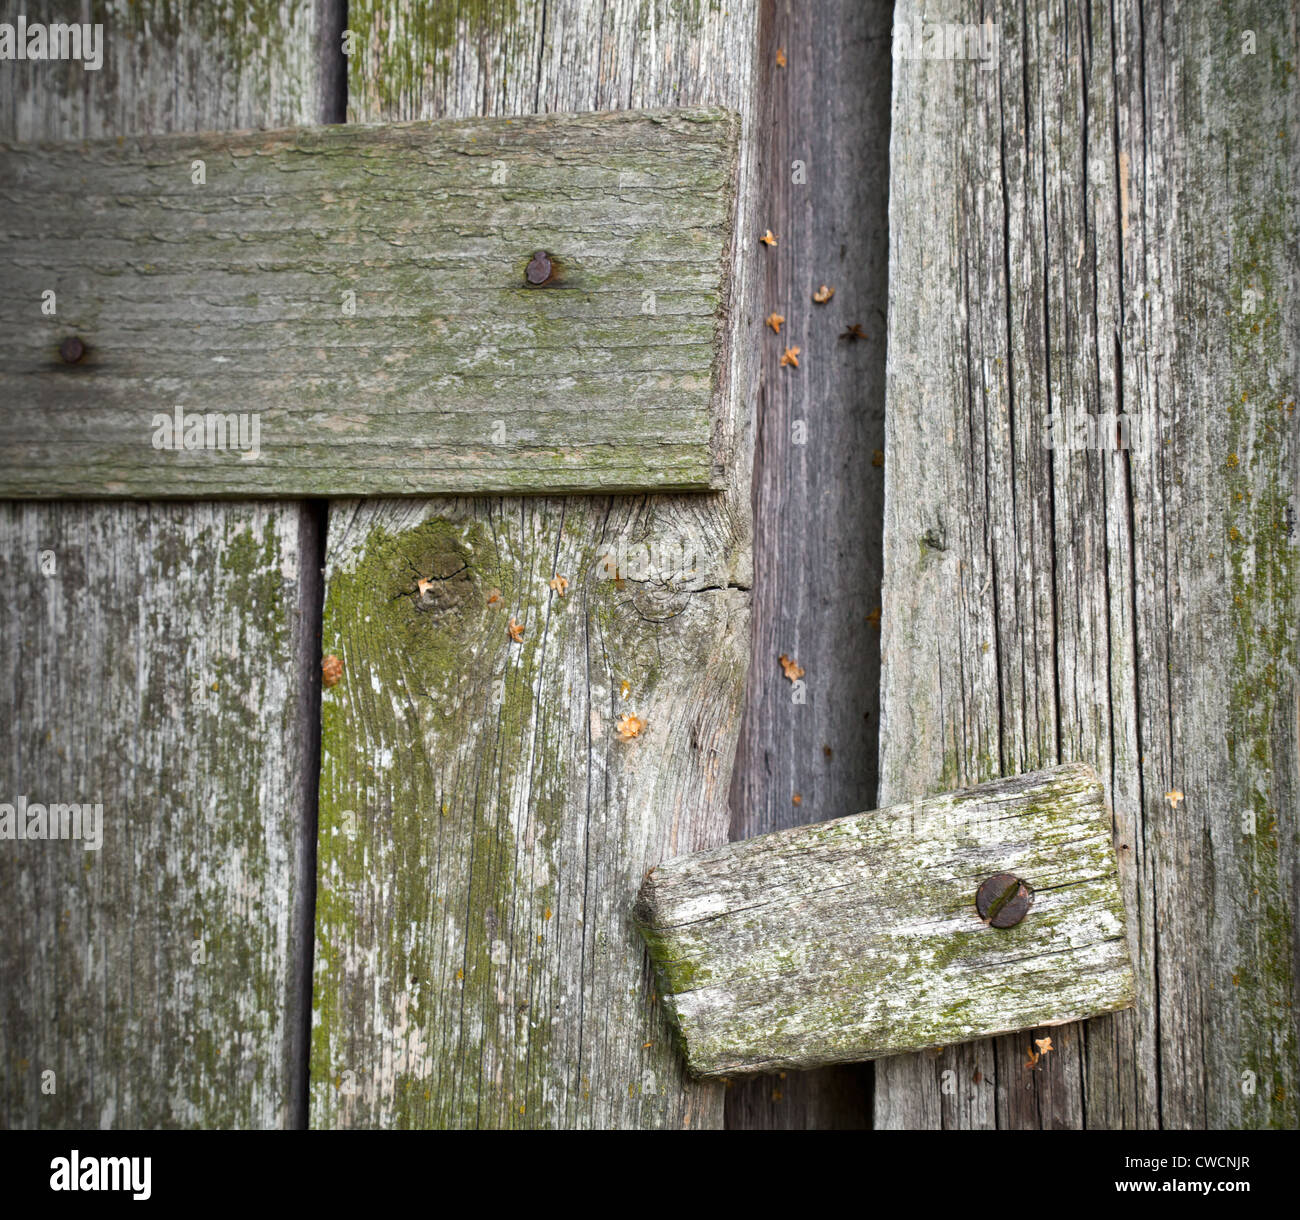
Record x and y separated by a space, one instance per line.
859 937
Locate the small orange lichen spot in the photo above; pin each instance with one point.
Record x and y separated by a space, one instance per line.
774 320
539 938
854 333
797 799
624 689
1173 797
768 238
630 727
780 57
1044 1045
547 913
790 356
645 1046
874 618
460 974
777 1095
1232 461
331 670
791 668
516 630
559 583
494 597
823 294
1235 534
877 457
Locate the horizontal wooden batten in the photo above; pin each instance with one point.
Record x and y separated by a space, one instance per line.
859 937
346 310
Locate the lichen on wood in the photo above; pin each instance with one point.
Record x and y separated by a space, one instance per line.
857 938
344 310
547 808
1110 227
153 660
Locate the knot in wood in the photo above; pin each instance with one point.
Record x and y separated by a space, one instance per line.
443 584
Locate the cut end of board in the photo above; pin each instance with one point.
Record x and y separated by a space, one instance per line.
861 937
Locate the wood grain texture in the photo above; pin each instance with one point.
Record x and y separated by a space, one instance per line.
859 937
1075 233
477 963
819 479
355 299
152 671
157 669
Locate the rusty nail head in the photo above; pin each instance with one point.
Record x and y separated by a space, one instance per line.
1003 900
72 349
539 268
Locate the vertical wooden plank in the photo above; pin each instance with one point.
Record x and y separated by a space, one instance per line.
818 468
483 828
153 663
1089 247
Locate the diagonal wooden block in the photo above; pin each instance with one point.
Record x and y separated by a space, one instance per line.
536 304
860 937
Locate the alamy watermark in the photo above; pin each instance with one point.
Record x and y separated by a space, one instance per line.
120 1173
921 39
56 820
1108 431
190 430
58 40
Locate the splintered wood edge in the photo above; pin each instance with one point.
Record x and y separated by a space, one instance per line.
749 988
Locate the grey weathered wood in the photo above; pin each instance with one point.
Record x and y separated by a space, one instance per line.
859 937
476 962
824 133
443 371
1074 232
156 669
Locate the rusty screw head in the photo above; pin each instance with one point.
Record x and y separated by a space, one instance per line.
1003 900
539 269
72 349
